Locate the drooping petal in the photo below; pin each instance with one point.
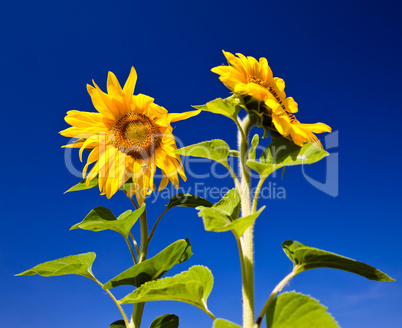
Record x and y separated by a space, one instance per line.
174 117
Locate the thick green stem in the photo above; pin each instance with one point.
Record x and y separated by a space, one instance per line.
139 307
248 245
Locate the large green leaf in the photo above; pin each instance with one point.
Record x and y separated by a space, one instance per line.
82 185
165 321
101 218
229 107
192 286
305 258
283 152
80 264
216 220
222 323
187 200
295 310
217 150
155 267
118 324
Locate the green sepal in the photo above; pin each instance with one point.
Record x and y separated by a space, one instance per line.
253 146
80 264
306 258
217 150
295 310
118 324
101 218
187 200
192 287
165 321
222 323
155 267
258 113
283 152
229 107
224 215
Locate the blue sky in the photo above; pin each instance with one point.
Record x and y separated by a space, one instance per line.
340 61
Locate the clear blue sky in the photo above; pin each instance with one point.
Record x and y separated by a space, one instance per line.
341 63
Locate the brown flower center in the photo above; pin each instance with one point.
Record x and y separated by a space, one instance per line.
253 79
135 135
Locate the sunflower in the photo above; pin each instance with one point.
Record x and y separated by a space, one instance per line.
247 76
129 137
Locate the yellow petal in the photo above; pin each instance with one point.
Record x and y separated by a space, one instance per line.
113 86
129 86
174 117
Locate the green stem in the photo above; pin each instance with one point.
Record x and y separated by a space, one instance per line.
114 300
235 179
248 246
135 243
257 194
276 290
156 223
139 307
131 250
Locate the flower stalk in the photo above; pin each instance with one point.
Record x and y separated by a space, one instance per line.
248 244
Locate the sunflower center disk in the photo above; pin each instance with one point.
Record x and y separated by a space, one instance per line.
135 135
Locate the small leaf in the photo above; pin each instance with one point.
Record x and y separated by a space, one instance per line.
295 310
230 204
222 323
306 258
217 150
216 220
229 107
80 264
165 321
253 147
101 218
155 267
187 200
283 152
118 324
192 287
83 185
234 153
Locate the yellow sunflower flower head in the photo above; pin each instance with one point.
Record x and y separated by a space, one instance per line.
246 76
129 137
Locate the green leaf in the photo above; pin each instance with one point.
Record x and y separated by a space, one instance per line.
295 310
83 185
224 215
216 220
101 218
229 107
155 267
165 321
253 147
222 323
283 152
118 324
306 258
187 200
192 287
230 204
80 264
217 150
